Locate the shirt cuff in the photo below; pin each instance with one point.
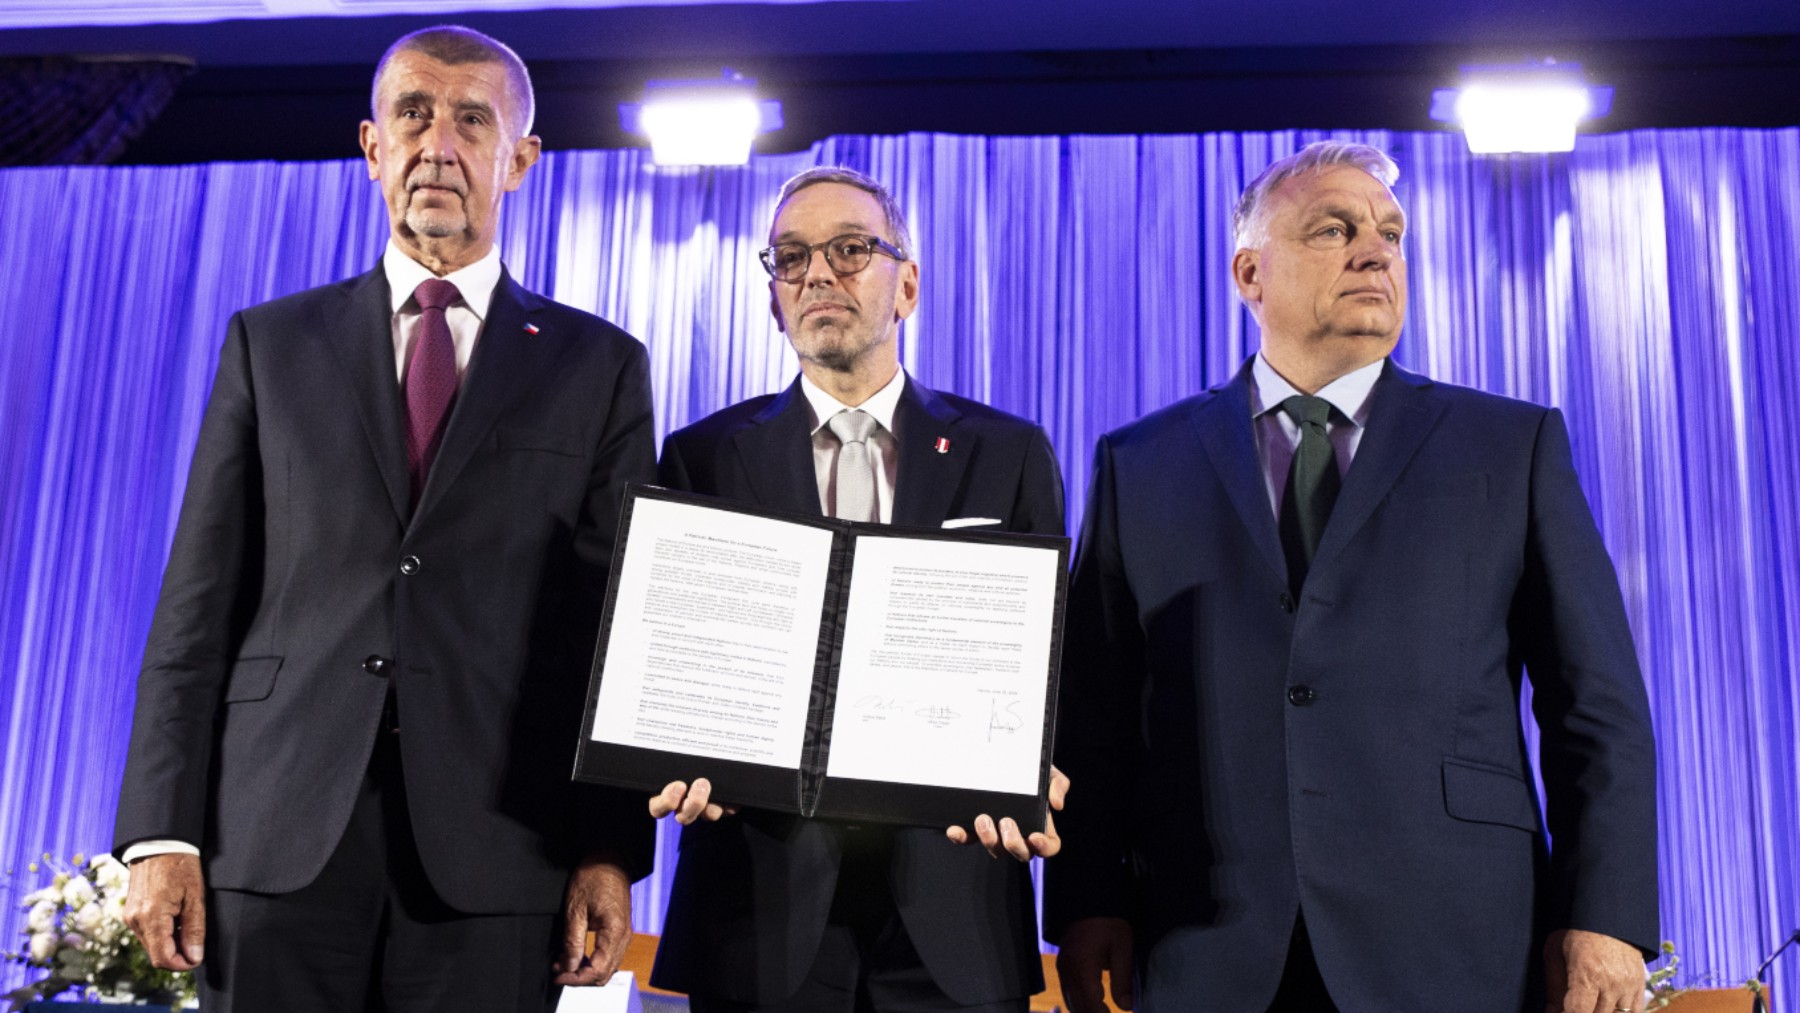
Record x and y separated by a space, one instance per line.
146 849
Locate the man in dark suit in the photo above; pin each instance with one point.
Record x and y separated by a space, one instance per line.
1300 615
348 779
770 912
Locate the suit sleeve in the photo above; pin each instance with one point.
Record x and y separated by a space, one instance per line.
613 821
1096 745
1040 507
208 592
1597 754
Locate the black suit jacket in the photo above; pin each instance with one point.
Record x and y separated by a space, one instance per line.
1358 753
300 584
752 892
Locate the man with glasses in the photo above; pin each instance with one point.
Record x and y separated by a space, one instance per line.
774 912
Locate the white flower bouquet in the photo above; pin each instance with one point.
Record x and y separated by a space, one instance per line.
75 930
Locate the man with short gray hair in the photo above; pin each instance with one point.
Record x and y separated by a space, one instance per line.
348 780
777 914
1301 614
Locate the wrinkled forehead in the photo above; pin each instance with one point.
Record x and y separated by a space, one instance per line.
1340 186
417 74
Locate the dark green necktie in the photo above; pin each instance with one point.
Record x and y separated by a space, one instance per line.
1312 486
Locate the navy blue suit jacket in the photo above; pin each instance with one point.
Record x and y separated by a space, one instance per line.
1357 753
752 891
298 559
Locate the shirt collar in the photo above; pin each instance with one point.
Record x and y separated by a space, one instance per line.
1349 394
475 283
881 404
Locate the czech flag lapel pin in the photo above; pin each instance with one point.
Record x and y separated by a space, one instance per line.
531 328
942 445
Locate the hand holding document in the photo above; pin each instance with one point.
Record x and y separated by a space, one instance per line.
828 668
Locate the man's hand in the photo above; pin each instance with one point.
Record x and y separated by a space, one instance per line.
598 901
1089 946
1586 972
1007 839
688 804
166 906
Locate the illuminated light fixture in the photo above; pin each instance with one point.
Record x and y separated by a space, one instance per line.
704 122
1524 107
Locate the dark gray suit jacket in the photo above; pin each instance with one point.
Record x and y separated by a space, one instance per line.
1356 754
752 891
300 583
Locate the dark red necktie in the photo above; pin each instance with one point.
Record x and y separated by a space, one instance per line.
430 380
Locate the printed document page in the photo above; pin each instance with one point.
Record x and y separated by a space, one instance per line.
714 634
945 663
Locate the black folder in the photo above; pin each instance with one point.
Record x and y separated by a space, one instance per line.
807 790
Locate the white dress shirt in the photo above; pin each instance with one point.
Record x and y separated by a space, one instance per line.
884 449
475 286
1277 435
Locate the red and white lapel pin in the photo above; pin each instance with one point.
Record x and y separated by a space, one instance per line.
942 445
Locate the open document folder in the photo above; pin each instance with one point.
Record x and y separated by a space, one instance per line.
826 667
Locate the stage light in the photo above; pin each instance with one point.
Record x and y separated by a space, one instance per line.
705 122
1531 107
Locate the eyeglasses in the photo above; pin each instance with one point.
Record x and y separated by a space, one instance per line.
844 254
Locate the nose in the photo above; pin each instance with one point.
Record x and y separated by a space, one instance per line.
1372 251
437 143
818 269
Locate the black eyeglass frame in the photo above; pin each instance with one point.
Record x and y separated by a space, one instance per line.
876 245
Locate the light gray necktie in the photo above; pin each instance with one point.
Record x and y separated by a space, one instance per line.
855 472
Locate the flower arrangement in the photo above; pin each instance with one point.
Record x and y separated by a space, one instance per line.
75 929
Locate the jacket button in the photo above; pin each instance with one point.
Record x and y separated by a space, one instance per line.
409 565
1301 696
1287 602
375 664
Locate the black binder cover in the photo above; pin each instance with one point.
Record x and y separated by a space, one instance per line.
807 791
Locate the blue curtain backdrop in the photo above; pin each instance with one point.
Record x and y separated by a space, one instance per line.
1648 283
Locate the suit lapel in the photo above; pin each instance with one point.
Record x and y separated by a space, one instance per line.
1226 432
504 357
775 449
1401 414
925 478
363 342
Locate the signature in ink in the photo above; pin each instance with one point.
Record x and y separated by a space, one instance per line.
1007 719
875 702
937 714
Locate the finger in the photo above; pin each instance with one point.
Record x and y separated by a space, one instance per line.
695 806
158 935
957 835
670 799
574 943
193 929
1059 787
1581 997
1013 841
990 837
1047 843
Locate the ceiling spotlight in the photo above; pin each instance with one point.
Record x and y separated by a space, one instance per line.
703 122
1521 107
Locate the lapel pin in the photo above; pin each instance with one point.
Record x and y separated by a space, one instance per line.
531 328
942 445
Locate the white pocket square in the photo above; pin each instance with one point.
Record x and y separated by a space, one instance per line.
970 522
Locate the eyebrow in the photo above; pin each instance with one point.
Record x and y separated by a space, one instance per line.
849 228
424 98
1346 213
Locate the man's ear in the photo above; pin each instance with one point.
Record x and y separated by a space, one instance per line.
525 154
1246 274
370 140
907 299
